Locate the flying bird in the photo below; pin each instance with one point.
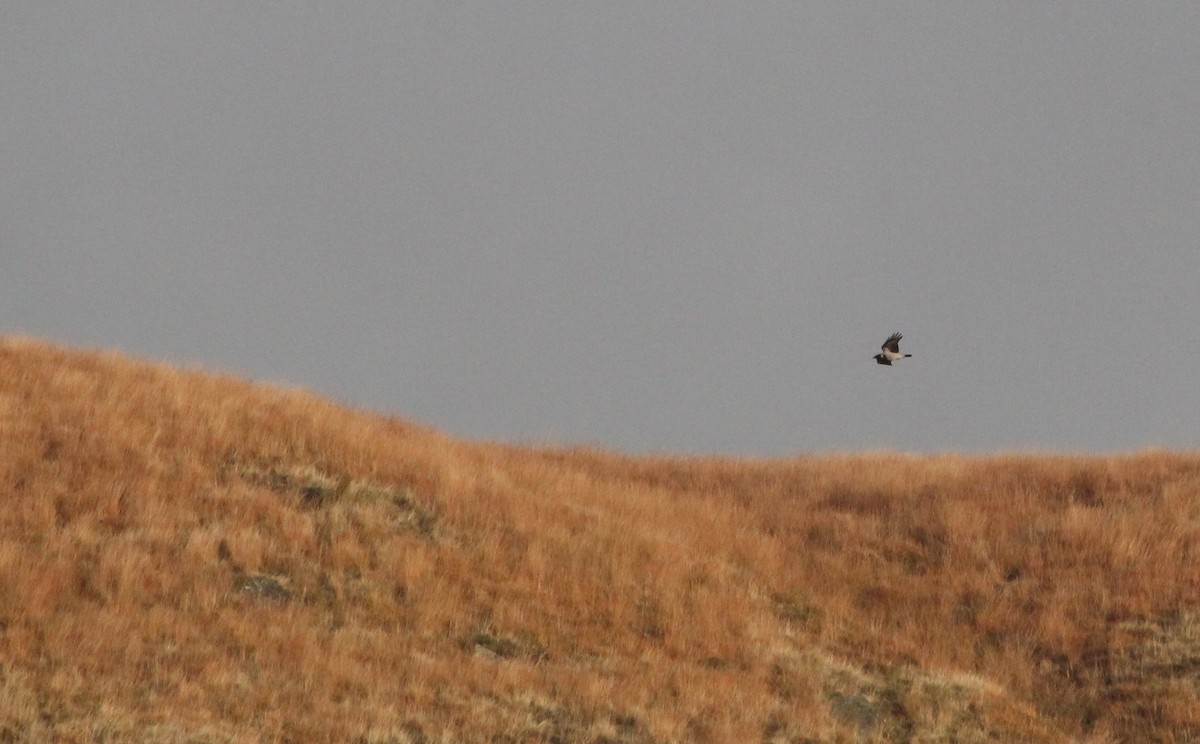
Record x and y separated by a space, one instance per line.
891 350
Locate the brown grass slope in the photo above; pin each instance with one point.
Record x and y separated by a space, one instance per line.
186 557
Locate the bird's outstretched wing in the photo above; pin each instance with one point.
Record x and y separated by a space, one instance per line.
893 343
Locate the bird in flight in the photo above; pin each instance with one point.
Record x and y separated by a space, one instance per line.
891 350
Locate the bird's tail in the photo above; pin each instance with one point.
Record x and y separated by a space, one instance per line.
907 355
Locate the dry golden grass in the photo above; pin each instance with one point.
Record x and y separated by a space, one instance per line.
188 557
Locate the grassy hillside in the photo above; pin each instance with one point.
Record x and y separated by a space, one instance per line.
186 557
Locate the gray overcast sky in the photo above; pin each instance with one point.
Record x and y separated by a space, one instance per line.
669 226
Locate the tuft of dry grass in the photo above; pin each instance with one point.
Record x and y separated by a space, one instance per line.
190 557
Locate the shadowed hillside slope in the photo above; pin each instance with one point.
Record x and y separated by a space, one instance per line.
188 557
